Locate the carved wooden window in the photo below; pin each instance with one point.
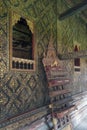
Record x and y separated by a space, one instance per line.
22 43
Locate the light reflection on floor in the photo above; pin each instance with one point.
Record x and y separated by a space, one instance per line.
82 125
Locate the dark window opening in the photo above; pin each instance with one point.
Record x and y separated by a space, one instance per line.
22 40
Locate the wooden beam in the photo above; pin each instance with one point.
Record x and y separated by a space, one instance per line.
79 7
31 116
68 56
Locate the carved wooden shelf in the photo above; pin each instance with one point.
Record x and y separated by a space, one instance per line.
54 71
56 82
59 92
57 77
62 101
64 112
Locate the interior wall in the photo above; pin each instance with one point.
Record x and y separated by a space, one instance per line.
71 30
78 79
25 91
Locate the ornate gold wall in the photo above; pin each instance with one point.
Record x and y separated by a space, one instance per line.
23 91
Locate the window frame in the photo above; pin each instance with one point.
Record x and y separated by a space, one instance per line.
34 48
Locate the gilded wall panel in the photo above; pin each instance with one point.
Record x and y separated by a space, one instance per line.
23 91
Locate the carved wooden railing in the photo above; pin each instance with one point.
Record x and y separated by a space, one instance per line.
66 111
58 92
25 64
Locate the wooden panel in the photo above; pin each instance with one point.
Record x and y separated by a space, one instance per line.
66 111
58 82
55 71
59 92
57 77
63 101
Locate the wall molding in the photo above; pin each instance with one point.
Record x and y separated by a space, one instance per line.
25 118
72 55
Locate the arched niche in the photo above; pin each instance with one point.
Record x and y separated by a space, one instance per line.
22 43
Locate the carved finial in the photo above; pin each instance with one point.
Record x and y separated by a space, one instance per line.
51 58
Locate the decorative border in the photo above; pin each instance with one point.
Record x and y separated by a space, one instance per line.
10 12
28 116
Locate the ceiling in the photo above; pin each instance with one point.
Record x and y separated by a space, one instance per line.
72 25
75 7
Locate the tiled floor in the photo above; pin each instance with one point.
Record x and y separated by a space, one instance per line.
82 125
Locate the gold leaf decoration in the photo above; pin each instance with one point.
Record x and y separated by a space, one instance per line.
13 83
2 68
3 99
15 18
